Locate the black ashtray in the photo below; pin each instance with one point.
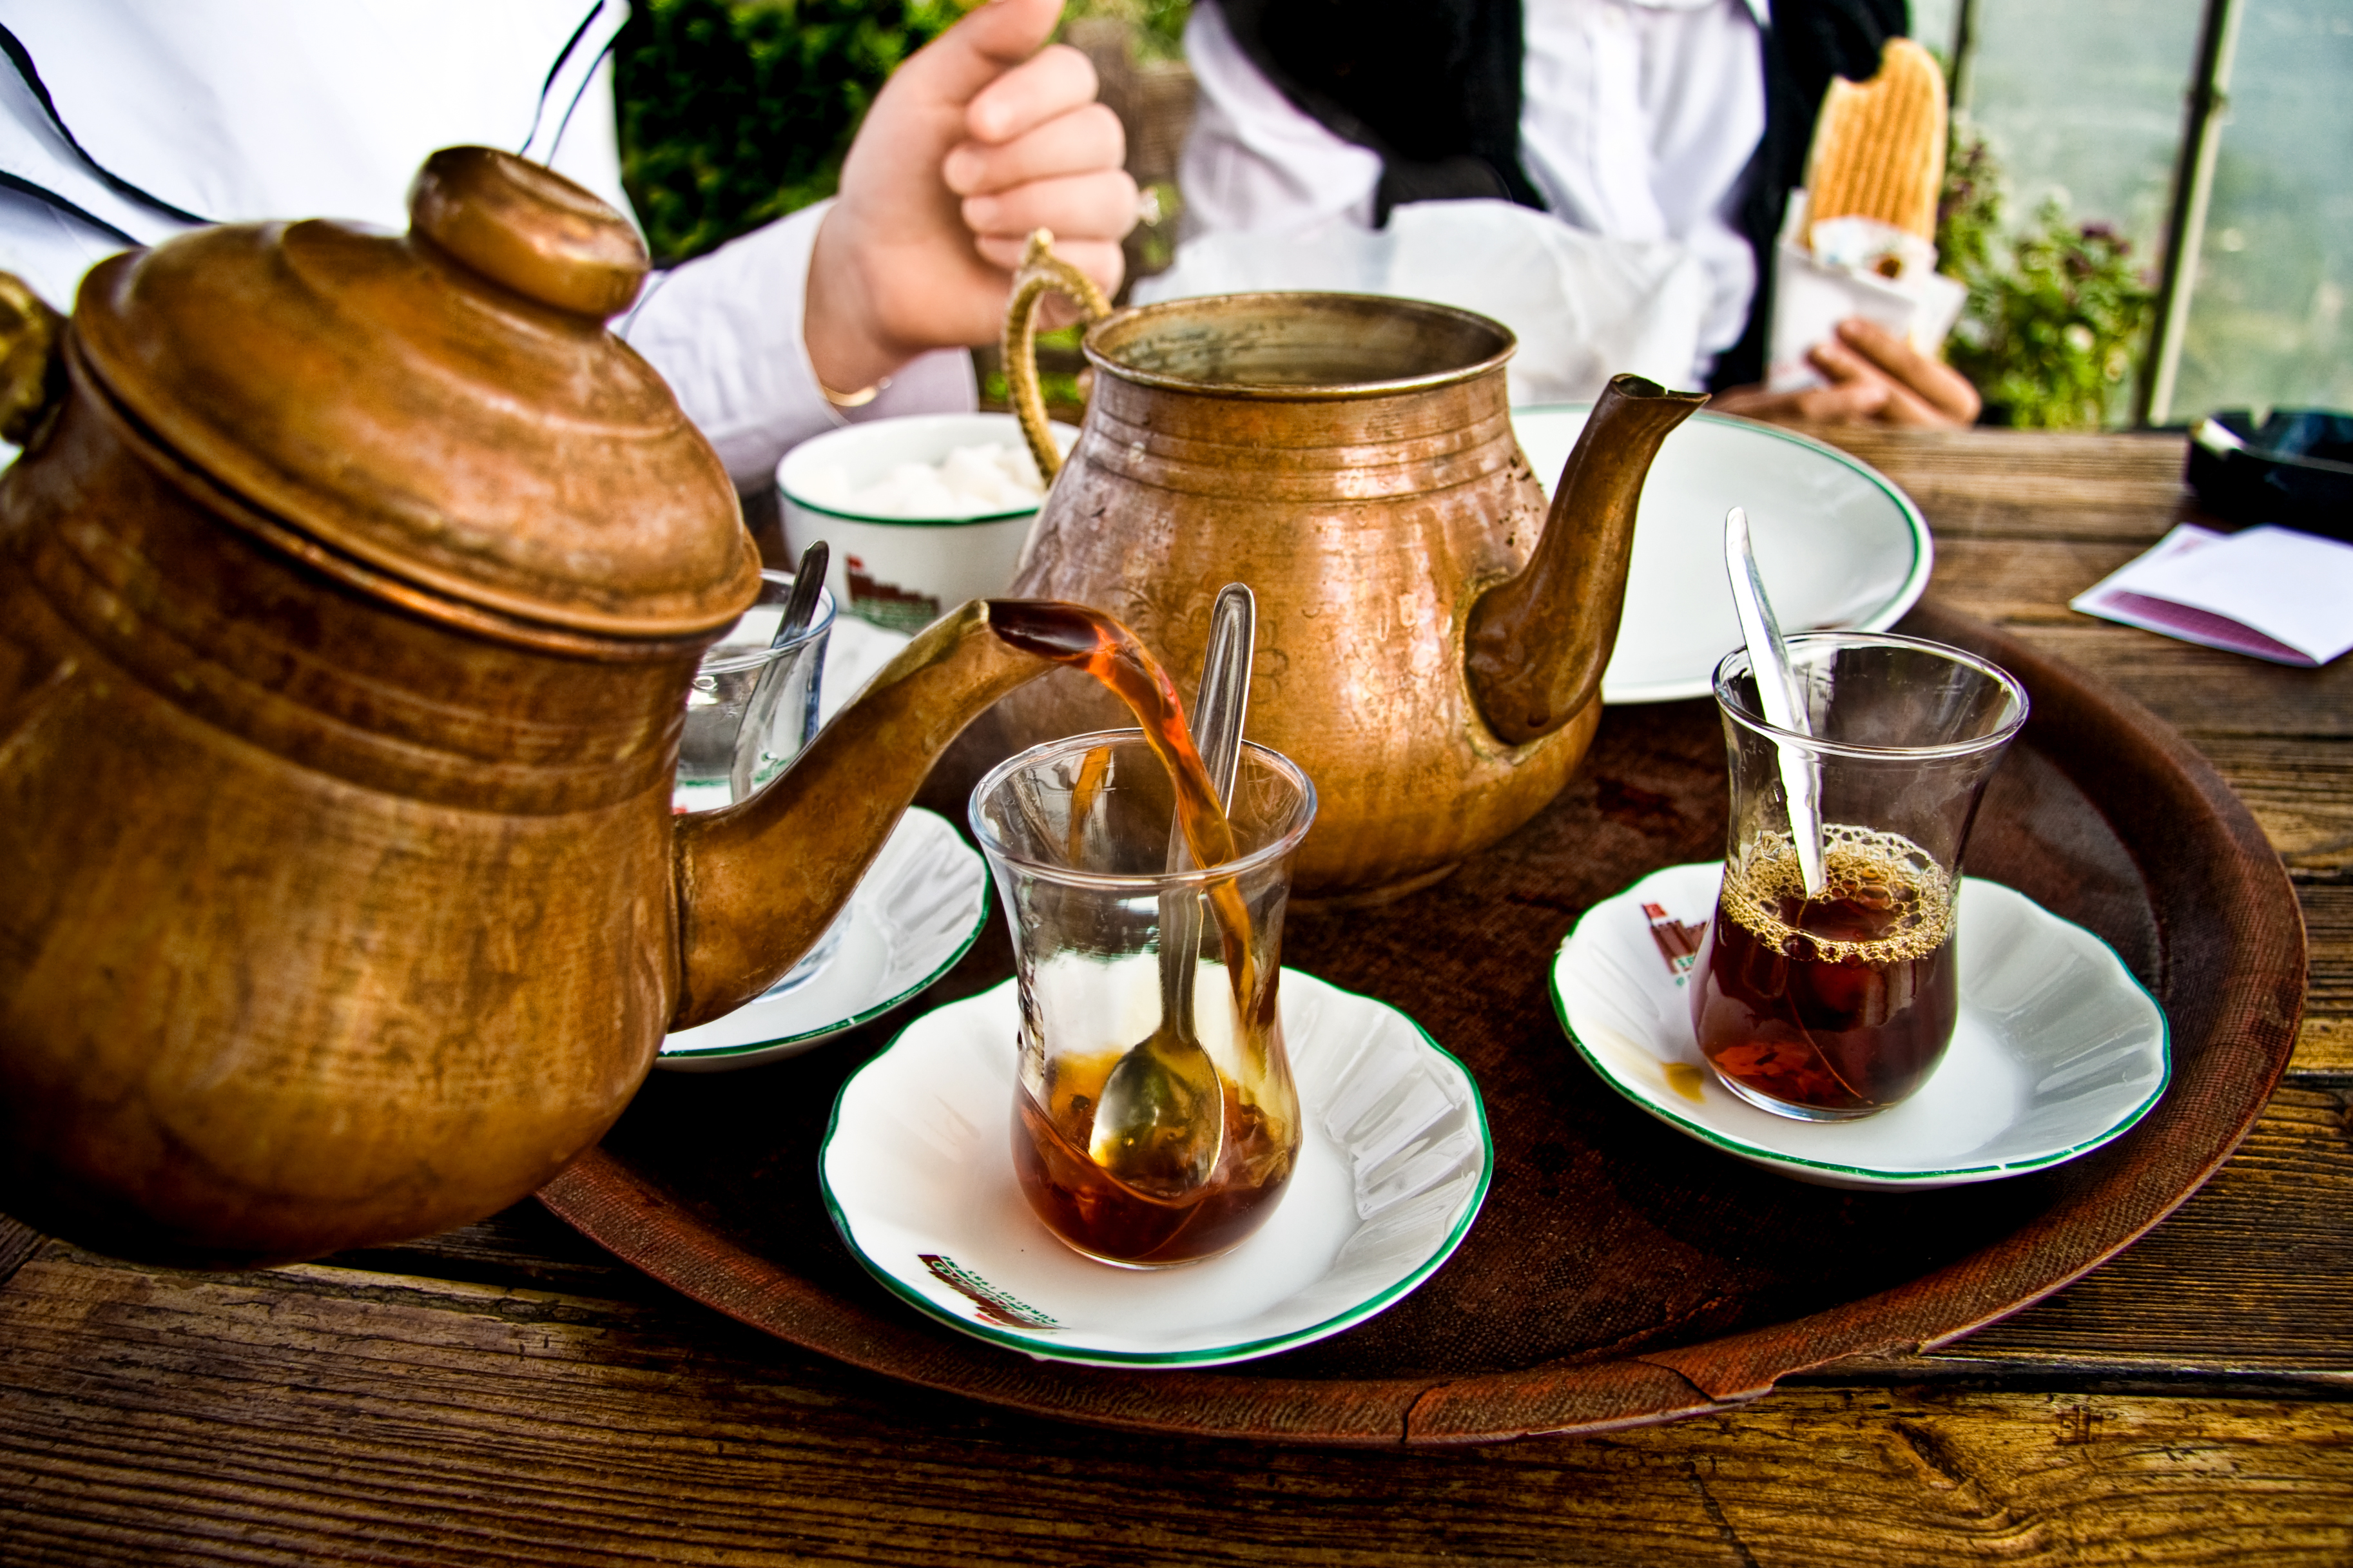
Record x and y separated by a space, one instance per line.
2294 469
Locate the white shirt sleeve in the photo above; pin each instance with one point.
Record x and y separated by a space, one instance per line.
236 110
239 110
725 329
1638 120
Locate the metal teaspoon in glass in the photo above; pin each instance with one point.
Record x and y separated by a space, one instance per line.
1778 694
1162 1117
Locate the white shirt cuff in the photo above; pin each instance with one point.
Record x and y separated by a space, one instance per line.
725 329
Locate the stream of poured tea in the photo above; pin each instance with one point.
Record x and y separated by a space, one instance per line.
1080 1201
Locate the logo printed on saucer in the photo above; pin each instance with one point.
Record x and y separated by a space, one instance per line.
1678 940
995 1305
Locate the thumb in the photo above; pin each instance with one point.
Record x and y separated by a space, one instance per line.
986 44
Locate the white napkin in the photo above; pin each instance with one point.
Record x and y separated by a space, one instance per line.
1583 306
2267 592
1857 268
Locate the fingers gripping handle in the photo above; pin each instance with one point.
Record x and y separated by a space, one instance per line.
1042 272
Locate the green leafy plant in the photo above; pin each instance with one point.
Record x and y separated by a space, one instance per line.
2057 314
734 112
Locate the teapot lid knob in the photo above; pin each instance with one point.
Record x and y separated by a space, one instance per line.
526 226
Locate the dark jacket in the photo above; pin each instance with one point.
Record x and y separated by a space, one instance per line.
1433 86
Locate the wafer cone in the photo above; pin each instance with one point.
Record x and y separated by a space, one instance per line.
1879 145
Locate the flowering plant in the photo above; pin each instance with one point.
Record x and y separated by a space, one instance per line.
2057 315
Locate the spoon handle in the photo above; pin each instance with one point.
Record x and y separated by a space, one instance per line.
808 581
1778 693
1217 713
1223 705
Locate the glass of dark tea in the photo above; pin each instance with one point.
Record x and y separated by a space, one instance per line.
1840 1005
1076 835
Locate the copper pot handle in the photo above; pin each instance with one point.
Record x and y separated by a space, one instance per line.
32 361
1042 272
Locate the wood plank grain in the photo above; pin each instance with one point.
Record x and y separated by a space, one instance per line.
525 1247
1988 460
312 1413
2323 1047
2024 581
2203 691
2301 791
2329 937
2251 1274
2011 485
19 1241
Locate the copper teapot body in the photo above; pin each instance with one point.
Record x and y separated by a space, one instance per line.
271 835
1352 459
343 898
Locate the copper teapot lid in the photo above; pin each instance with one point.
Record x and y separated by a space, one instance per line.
445 405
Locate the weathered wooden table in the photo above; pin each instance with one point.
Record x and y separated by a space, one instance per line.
507 1394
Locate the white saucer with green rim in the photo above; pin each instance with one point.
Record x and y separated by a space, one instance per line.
2058 1048
1840 547
924 903
917 1170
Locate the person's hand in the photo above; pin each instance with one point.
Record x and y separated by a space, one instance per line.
973 142
1873 376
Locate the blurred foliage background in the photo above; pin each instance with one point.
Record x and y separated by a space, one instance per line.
734 112
2058 311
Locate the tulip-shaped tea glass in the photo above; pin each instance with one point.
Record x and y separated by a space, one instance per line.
751 701
750 709
1835 1006
1076 835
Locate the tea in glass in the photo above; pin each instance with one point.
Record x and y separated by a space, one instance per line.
1842 1004
1076 833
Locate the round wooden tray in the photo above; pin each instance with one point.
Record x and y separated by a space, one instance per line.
1619 1273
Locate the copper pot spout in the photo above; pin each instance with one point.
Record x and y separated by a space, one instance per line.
1538 643
759 881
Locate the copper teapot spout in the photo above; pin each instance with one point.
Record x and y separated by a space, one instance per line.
1537 643
759 881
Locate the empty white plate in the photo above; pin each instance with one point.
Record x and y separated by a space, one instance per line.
2058 1048
917 1171
1838 546
923 903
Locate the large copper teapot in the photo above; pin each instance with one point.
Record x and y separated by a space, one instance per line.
1430 643
351 584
